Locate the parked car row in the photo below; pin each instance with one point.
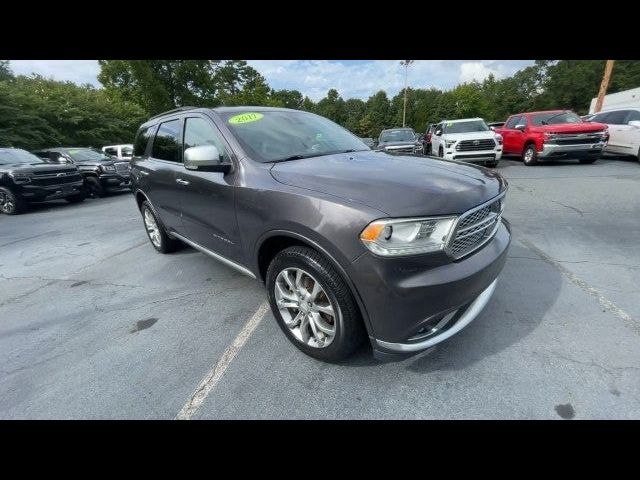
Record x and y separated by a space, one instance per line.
60 173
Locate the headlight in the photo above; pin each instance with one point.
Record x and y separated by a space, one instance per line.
450 143
20 178
499 138
407 236
108 168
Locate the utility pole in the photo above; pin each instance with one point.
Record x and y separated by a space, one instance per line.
406 64
604 85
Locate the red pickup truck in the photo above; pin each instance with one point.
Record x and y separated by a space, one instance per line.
552 134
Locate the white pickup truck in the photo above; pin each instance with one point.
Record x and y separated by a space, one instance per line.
467 140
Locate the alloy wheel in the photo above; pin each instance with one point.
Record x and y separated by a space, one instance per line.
6 203
305 307
152 227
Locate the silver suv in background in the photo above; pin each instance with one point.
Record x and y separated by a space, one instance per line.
399 140
467 140
121 152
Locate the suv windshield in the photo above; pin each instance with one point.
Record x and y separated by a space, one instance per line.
552 118
390 136
88 154
15 155
269 136
466 127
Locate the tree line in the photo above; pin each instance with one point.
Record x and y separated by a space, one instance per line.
38 112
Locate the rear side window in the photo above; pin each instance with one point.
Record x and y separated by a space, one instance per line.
617 118
166 145
111 151
633 115
141 141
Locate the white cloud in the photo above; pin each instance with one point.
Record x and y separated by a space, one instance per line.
77 71
352 79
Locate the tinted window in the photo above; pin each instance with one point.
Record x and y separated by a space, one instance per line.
633 115
15 155
166 145
397 136
127 151
198 131
141 141
88 155
274 135
554 118
601 118
466 127
512 122
617 118
111 151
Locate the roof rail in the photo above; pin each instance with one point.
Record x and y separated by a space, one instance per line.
175 110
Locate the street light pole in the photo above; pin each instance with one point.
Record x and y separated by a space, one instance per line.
406 64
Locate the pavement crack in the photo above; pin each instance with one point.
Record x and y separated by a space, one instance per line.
577 210
592 363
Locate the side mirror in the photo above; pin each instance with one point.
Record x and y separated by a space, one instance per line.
521 127
205 158
62 159
438 133
492 128
634 123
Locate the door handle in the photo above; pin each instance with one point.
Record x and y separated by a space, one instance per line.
182 182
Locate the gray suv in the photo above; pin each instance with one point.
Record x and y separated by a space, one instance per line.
351 243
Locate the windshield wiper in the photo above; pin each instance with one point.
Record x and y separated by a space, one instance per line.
546 122
292 157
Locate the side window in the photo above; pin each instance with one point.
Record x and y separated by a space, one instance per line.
166 145
111 151
633 115
512 122
600 118
522 120
141 141
617 118
198 131
127 151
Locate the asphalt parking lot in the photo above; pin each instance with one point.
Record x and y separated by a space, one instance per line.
95 324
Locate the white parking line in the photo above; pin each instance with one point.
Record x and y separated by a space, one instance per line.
215 374
603 301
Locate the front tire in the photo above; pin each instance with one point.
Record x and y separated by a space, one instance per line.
155 230
10 204
94 187
313 305
529 155
491 164
441 152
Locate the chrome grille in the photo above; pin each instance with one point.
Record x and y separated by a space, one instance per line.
54 180
473 145
476 227
122 167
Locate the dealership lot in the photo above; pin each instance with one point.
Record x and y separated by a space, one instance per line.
95 324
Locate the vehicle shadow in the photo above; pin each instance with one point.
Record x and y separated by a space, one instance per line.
527 288
51 205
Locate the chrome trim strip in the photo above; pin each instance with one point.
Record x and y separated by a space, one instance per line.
467 317
218 257
481 225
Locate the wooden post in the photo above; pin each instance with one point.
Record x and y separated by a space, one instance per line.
604 85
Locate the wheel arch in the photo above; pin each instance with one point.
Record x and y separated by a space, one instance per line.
273 242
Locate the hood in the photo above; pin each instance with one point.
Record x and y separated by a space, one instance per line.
38 168
471 135
585 127
399 186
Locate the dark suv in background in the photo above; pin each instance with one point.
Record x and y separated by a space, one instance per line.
350 242
102 173
25 178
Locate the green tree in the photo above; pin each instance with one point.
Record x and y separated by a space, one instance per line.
332 107
5 71
287 98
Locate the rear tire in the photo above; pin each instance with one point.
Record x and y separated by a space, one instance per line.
529 155
331 337
10 204
155 230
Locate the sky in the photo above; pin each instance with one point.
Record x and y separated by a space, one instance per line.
352 78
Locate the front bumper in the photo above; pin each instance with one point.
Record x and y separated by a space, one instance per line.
409 149
416 302
115 180
477 156
38 193
550 150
